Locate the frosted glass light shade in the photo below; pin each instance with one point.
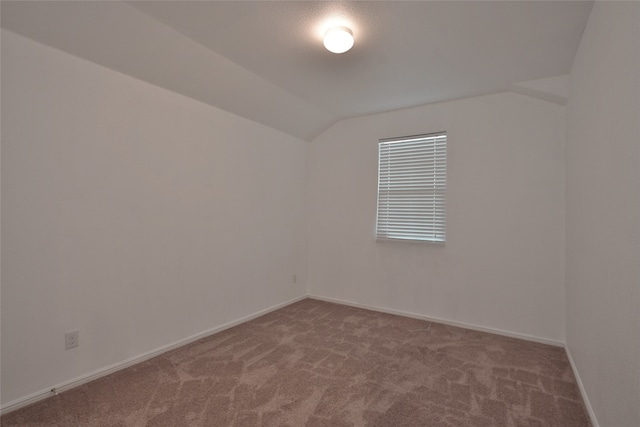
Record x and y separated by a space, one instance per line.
338 39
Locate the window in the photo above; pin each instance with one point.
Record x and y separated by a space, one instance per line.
412 175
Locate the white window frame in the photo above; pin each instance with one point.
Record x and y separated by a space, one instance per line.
412 183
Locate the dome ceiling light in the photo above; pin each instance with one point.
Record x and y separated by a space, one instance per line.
338 39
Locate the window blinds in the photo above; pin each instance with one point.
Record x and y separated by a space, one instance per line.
412 174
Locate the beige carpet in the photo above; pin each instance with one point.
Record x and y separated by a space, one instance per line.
319 364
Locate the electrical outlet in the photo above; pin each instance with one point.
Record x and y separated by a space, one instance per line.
71 339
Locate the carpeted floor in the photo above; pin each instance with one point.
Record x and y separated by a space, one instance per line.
315 363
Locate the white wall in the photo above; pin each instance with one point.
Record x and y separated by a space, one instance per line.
503 264
131 213
603 213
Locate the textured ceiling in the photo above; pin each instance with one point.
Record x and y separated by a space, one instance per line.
265 60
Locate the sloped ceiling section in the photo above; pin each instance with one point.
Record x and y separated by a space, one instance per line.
265 60
122 38
552 89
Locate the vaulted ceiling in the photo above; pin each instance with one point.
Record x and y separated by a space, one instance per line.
265 60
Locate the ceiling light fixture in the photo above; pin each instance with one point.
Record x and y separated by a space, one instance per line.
338 39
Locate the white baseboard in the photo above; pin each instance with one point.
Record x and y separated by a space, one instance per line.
583 392
443 321
83 379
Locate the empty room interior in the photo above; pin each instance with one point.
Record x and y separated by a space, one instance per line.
213 216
